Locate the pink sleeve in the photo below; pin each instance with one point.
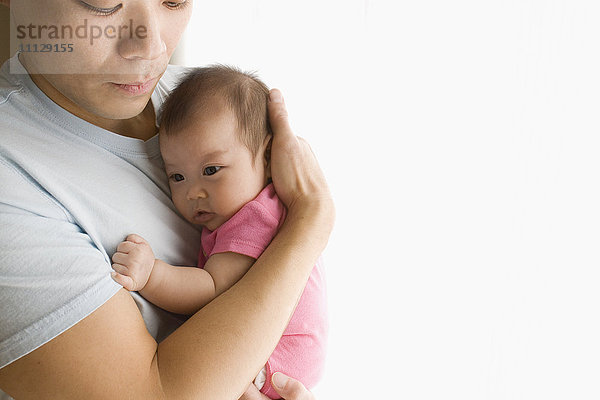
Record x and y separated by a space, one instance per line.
248 232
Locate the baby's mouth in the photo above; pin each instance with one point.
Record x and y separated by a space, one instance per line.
201 217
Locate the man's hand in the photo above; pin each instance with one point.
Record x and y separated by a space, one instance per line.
133 263
286 387
294 168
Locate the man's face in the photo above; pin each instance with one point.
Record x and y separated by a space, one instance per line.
104 56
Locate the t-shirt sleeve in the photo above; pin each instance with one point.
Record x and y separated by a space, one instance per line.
51 273
248 232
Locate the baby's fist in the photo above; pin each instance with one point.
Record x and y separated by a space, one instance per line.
133 263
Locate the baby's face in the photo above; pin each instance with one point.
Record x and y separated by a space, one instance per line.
211 173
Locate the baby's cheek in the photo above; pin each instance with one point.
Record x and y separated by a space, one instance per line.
180 204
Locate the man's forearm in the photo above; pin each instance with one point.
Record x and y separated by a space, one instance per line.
239 329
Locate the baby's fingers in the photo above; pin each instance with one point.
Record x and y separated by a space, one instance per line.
123 280
135 239
121 258
121 275
125 247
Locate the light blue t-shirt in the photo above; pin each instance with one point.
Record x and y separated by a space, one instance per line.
70 192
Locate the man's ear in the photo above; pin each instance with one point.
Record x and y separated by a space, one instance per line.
5 3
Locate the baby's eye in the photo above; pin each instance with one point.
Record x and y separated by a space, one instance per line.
211 170
177 177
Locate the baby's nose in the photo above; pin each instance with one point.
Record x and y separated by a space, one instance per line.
197 193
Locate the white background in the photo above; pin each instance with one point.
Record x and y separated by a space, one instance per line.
460 140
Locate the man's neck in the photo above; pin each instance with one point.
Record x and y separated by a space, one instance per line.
142 126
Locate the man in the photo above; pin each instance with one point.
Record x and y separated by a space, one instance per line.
79 169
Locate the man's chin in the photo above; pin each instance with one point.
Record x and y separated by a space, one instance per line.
123 109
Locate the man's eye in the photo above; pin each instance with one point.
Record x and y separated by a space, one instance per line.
103 12
211 170
173 5
177 177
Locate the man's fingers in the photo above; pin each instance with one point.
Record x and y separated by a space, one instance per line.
252 393
289 388
278 115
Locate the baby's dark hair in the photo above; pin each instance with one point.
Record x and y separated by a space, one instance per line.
244 94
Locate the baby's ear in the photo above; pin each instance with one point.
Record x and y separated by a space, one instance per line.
267 154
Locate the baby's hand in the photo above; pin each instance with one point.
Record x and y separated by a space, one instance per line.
133 263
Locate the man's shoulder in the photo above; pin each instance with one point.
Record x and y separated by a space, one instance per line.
11 75
8 89
168 81
173 75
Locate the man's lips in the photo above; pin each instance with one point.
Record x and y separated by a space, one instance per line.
136 88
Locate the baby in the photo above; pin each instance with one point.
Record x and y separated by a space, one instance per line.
215 143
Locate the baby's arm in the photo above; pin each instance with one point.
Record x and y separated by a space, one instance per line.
185 290
182 290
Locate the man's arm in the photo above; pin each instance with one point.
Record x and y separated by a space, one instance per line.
214 355
109 354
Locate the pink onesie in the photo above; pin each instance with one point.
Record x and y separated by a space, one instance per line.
301 350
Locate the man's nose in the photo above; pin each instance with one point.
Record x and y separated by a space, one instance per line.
143 39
